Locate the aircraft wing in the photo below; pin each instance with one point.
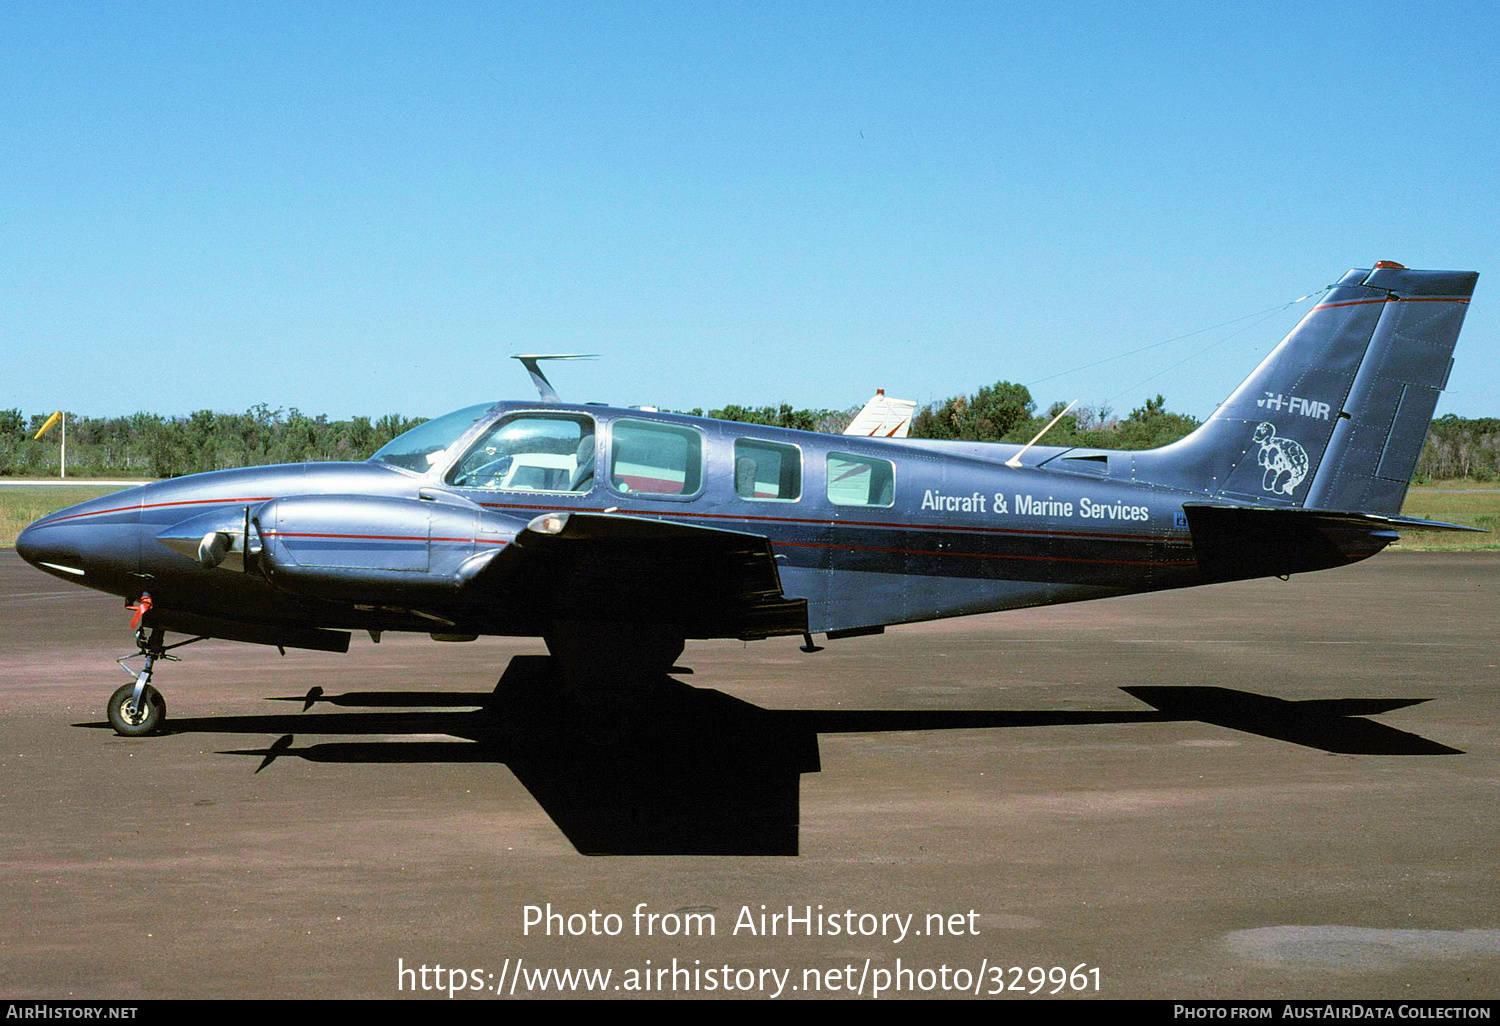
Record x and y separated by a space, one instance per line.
448 560
596 566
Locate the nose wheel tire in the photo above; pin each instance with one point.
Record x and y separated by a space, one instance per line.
130 721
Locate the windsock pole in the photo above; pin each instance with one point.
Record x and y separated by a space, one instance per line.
62 463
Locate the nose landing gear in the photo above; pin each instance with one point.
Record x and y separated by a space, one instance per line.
138 709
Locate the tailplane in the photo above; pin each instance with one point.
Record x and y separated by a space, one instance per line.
1335 417
1232 543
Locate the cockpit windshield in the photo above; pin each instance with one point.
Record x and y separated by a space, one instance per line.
424 445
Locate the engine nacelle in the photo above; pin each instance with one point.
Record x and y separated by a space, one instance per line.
357 547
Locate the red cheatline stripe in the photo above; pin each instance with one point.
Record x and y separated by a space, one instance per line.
962 528
381 537
802 545
1352 302
1389 299
157 505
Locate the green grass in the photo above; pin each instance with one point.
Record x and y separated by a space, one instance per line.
1475 508
20 506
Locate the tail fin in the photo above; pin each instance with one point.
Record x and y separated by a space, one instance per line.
1335 417
883 416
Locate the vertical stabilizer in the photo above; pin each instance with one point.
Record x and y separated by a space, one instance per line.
883 417
1335 416
1374 450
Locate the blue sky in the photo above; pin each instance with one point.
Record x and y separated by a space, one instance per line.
365 208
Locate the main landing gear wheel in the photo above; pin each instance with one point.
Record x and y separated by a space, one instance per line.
132 719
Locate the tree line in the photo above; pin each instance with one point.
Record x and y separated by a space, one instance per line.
150 445
1462 447
1456 447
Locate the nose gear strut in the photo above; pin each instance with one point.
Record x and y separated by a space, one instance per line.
138 709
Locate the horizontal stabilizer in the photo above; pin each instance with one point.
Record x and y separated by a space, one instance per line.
1234 543
1423 525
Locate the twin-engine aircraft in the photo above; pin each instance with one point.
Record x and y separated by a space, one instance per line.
617 534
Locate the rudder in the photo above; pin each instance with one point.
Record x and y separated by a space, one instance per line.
1373 452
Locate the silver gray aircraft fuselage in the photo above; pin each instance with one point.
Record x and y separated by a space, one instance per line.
958 534
603 528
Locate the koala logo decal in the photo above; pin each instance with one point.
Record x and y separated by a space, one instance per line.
1285 461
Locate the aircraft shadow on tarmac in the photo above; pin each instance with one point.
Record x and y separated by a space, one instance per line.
678 770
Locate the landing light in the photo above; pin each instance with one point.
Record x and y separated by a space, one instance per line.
548 523
212 549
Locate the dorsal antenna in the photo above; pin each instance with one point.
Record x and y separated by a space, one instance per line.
530 361
1015 461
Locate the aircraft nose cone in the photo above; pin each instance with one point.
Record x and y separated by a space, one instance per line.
26 546
45 549
93 543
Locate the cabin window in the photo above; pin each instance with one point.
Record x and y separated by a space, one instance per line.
532 452
860 481
766 471
648 458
